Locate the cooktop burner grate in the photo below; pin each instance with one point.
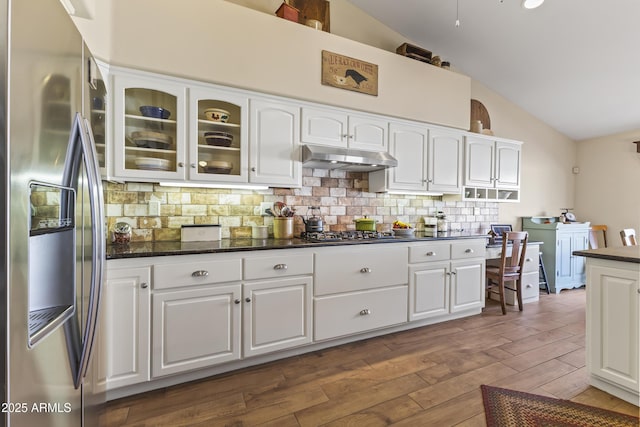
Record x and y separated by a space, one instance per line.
332 236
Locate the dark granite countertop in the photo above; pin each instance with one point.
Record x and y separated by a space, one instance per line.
149 249
618 253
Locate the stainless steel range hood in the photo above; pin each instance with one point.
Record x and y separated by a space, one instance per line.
324 157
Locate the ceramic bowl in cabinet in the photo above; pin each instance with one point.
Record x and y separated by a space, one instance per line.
150 139
217 167
219 139
155 112
153 163
216 115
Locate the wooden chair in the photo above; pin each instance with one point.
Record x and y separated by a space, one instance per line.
628 236
593 236
510 267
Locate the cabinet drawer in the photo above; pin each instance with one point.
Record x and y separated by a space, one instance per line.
530 286
265 267
531 261
346 314
360 267
193 273
468 249
434 251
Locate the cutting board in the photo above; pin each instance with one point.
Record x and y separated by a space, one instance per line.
479 112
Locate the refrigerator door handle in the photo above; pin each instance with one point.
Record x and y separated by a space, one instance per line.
96 201
80 339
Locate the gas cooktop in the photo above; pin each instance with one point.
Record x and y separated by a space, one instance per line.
334 236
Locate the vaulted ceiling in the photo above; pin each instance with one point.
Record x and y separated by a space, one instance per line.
574 64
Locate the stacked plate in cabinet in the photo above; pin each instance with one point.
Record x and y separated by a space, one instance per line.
153 163
218 138
150 139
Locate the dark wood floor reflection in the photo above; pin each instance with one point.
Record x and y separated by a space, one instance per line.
429 376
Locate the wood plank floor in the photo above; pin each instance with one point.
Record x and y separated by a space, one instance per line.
429 376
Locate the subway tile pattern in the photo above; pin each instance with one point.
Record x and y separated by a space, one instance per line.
342 197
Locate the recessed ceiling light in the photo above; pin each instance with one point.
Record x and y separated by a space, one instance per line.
531 4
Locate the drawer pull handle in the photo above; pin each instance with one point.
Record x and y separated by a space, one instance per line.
365 312
431 253
236 301
280 267
144 285
200 273
468 251
528 260
365 270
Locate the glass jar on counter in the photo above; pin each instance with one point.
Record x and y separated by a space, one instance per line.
121 233
442 222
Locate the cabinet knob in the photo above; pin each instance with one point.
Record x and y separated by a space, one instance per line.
144 285
529 286
181 164
528 260
247 299
365 270
453 272
431 253
200 273
236 301
639 291
253 169
280 267
365 312
448 273
193 165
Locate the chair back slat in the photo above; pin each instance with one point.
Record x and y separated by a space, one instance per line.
518 240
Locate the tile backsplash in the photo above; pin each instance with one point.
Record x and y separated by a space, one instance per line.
342 197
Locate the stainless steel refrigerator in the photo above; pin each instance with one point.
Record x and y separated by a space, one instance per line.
52 229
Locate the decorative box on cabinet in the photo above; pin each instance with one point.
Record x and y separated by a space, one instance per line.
492 169
429 160
122 346
341 128
564 270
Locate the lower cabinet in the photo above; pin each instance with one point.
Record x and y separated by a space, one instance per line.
122 348
613 327
195 328
438 287
277 314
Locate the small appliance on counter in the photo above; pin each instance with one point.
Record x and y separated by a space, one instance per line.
313 222
200 233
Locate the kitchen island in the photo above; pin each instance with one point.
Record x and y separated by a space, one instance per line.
613 320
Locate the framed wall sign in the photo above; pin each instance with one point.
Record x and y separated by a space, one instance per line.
349 73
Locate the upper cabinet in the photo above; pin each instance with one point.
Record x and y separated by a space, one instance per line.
168 129
492 169
149 128
429 159
341 128
218 133
274 143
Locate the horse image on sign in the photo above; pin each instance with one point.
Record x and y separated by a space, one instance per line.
349 73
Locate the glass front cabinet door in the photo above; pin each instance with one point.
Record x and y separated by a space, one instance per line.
217 135
149 128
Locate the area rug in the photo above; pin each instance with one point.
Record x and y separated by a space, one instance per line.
504 407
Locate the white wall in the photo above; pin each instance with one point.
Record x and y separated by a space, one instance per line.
608 185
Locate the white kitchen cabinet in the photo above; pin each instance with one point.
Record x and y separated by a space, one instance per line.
195 328
341 128
613 322
274 143
564 270
492 169
122 347
359 288
446 278
146 147
429 159
277 314
205 154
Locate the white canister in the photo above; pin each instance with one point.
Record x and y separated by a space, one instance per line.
259 232
200 233
314 23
